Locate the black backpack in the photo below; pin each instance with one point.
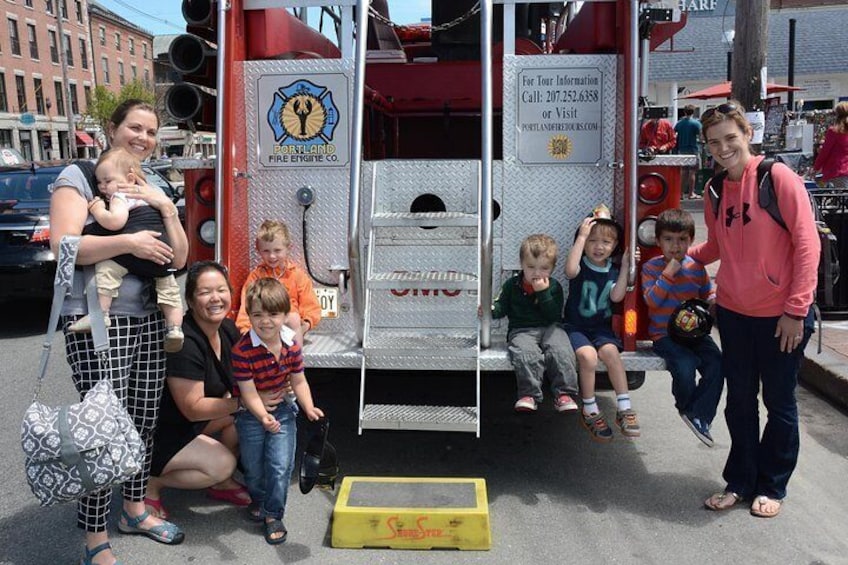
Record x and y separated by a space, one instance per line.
828 271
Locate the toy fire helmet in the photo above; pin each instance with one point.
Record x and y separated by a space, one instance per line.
601 213
690 321
319 464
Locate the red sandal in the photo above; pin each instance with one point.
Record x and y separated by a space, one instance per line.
237 496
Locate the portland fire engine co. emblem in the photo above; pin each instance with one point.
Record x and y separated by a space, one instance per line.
303 114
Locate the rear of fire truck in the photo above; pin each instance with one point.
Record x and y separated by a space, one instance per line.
409 162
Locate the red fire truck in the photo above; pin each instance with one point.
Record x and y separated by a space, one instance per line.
410 161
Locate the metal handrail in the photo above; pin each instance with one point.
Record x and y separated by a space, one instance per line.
485 189
632 126
353 243
220 110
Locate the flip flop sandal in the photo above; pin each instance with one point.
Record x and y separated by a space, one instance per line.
762 500
166 532
237 496
156 504
275 527
717 502
90 553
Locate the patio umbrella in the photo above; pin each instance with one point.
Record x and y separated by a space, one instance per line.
722 90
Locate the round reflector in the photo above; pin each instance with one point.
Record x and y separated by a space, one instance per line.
646 232
653 188
205 190
206 231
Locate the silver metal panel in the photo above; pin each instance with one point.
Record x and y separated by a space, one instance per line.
271 193
420 280
553 199
332 350
427 219
672 161
426 418
424 308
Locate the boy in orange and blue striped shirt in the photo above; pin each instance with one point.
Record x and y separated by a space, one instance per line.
267 358
668 280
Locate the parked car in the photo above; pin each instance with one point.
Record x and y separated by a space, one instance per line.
27 266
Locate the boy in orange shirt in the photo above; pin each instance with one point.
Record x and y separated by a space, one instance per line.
273 244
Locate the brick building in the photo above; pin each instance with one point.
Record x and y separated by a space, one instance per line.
35 102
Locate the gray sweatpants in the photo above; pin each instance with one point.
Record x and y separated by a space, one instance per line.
541 352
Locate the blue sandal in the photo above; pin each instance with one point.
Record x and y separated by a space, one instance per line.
90 553
166 532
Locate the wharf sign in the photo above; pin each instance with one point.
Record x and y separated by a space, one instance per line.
558 119
303 120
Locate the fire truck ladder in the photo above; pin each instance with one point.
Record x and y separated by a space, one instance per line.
422 345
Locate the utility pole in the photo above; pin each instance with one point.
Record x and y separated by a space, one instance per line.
63 57
749 57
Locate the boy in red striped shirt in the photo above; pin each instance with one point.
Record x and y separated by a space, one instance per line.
267 358
668 280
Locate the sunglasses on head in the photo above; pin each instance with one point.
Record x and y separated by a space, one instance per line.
725 108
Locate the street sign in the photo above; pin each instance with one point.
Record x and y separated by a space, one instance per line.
27 119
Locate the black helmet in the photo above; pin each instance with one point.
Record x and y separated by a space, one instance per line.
690 321
319 463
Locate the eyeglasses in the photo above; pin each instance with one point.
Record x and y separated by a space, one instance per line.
725 108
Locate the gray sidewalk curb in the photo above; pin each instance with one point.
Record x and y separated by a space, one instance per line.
827 373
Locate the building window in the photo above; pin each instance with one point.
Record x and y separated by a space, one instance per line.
131 44
49 6
22 101
14 39
86 92
121 78
117 41
105 63
79 10
74 100
5 138
144 49
54 48
134 73
39 96
33 41
28 3
69 54
4 102
83 53
147 78
102 32
64 9
60 98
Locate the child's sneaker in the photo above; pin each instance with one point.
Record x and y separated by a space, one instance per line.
83 325
174 339
699 428
525 404
564 403
597 426
626 420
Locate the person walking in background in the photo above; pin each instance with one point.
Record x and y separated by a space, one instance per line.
137 327
538 347
766 283
832 159
657 136
688 132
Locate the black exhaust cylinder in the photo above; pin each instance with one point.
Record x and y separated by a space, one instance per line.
186 102
199 12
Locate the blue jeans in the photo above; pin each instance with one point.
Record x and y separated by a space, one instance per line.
760 465
268 459
542 352
696 399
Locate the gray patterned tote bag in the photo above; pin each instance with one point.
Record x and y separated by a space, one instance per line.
72 451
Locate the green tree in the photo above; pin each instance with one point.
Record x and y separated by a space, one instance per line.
103 101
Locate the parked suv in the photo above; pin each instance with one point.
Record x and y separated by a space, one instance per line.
27 266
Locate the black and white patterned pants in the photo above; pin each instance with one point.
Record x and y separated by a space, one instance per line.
138 377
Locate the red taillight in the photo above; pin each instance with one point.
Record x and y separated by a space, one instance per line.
653 188
40 235
206 191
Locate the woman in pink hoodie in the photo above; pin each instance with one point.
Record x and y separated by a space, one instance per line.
766 284
832 159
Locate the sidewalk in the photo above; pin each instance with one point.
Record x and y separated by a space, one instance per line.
826 372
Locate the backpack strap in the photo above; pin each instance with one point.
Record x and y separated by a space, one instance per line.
87 169
715 191
766 195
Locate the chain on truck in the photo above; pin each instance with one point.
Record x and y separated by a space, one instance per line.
410 161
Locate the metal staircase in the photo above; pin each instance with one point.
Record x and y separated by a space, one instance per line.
408 254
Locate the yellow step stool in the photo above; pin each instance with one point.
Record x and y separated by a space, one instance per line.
412 513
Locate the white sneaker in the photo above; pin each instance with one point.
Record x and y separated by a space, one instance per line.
83 325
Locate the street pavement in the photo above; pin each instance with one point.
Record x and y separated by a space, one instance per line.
826 371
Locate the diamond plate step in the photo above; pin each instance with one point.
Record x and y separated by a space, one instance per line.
424 219
413 344
423 418
447 280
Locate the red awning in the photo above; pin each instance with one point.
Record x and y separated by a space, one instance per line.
722 90
84 139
